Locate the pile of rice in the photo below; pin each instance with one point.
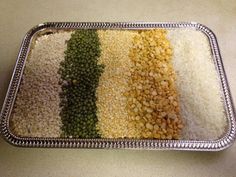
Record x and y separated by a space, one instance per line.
198 85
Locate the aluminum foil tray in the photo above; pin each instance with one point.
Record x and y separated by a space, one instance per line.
211 145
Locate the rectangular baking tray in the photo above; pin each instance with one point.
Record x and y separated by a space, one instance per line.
194 145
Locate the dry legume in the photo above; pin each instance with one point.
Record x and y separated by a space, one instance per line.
152 96
80 75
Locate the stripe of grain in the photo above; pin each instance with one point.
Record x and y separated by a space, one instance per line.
198 84
153 98
36 110
111 103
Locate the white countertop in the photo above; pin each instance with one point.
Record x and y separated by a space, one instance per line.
17 17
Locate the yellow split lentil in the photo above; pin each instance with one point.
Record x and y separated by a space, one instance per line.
153 105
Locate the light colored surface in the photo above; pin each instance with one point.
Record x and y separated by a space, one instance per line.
17 17
30 117
201 106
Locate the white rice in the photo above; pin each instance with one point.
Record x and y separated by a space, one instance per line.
200 97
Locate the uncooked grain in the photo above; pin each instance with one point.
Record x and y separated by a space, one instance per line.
112 115
198 85
36 110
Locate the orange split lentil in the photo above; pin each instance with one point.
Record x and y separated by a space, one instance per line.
152 99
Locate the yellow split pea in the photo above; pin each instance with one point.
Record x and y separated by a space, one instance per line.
137 96
152 97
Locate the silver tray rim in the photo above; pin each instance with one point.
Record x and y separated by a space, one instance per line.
192 145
